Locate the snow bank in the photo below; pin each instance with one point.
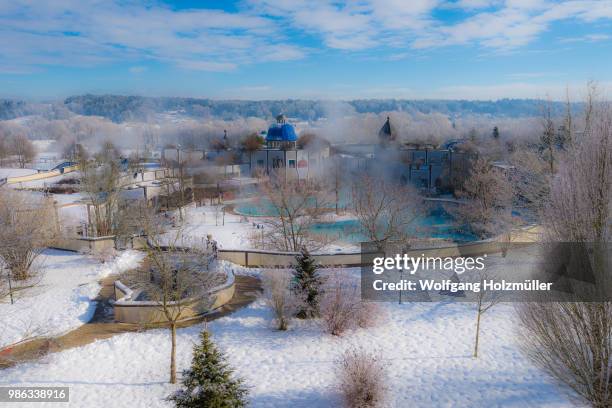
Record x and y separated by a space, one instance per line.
63 300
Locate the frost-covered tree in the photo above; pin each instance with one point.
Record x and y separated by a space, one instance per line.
210 382
572 340
384 210
488 197
27 226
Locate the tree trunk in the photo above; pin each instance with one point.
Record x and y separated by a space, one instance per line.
337 198
477 332
173 354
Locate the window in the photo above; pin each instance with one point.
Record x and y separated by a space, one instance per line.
260 163
292 164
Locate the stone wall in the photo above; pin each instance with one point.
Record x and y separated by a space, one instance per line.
127 310
269 259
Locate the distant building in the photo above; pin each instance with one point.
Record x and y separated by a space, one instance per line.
425 166
282 157
387 135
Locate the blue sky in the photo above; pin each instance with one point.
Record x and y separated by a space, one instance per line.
269 49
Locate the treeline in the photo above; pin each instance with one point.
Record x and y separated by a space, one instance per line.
10 109
13 108
130 108
119 108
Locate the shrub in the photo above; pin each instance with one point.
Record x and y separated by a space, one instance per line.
361 379
278 295
342 308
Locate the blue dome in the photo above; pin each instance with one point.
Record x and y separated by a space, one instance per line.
281 133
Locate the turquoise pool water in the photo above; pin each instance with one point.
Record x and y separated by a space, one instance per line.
437 223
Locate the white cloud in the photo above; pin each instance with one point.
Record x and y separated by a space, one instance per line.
517 23
586 38
85 33
137 69
92 32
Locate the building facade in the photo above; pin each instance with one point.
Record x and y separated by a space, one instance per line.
283 158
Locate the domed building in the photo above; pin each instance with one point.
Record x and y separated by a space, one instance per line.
281 134
283 157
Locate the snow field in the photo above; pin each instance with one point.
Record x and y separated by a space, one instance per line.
63 298
427 349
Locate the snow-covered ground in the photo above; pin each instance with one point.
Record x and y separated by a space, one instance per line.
233 232
12 172
427 348
237 231
63 298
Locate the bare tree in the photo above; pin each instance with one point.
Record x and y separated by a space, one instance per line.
4 148
488 196
530 179
335 182
176 278
590 105
485 300
548 139
252 142
277 291
296 206
23 148
182 186
100 182
572 341
568 123
385 210
178 186
27 226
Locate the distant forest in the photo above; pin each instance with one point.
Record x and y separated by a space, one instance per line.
137 108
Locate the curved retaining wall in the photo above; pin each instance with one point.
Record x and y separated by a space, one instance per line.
271 259
146 312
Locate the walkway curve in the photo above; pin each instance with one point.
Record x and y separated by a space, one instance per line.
247 290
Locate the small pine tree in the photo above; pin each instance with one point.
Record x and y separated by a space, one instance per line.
209 382
307 285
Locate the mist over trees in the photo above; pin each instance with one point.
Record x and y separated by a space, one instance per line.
134 122
126 108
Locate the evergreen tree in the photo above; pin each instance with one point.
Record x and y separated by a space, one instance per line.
307 285
495 132
209 382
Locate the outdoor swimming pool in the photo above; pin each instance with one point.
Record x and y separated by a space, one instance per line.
436 223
